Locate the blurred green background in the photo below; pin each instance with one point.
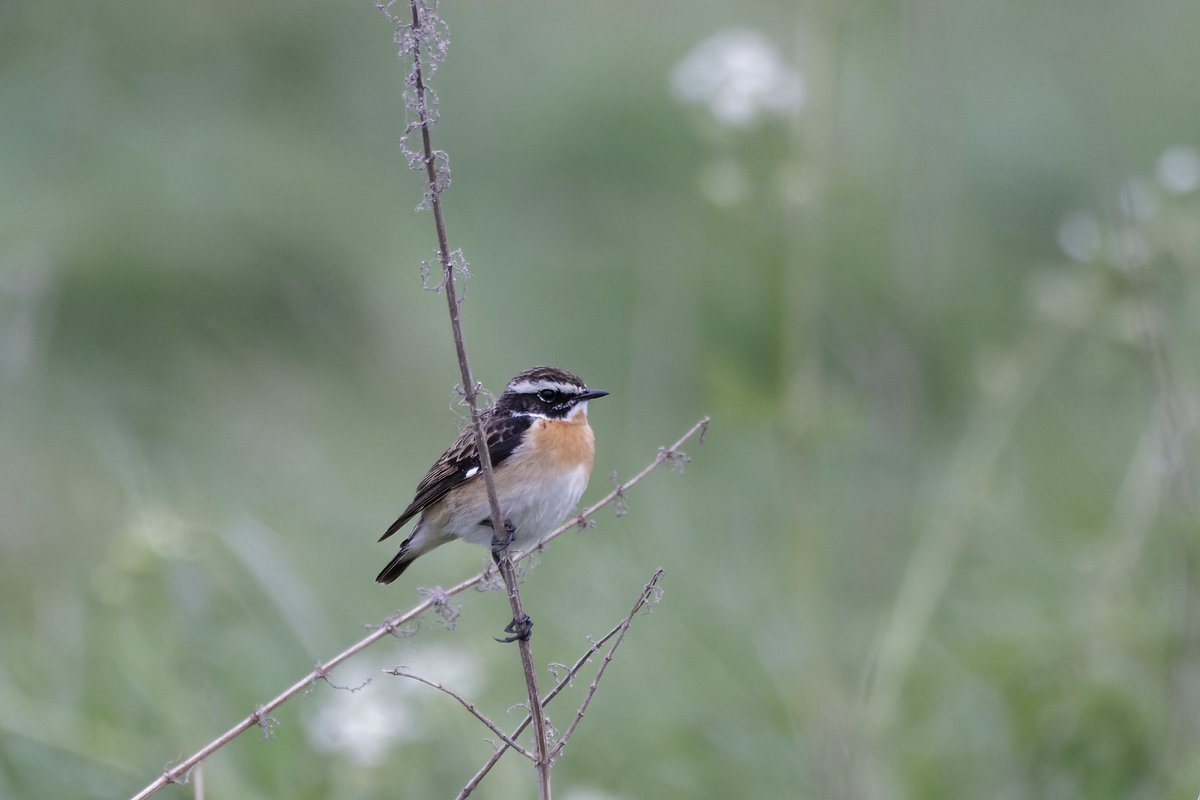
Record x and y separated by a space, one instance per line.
932 268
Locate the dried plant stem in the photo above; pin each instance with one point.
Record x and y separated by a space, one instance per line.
429 160
400 672
179 772
504 561
647 595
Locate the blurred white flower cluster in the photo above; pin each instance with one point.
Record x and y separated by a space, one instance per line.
1179 170
373 712
1150 220
740 77
1082 237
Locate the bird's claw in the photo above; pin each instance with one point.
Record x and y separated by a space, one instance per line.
521 629
499 546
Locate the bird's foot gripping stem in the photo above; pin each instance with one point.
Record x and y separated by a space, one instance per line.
521 629
500 546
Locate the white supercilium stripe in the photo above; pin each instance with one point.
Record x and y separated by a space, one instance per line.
533 387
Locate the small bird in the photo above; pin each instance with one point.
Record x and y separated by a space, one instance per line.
542 450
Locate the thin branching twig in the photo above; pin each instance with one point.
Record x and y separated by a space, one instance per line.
400 672
649 591
649 594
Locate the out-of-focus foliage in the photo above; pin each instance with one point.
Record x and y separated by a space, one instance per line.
931 267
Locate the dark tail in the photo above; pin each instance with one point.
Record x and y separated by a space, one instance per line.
396 566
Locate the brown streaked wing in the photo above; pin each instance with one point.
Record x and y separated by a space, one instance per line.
503 436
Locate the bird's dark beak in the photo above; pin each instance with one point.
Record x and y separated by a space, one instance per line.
590 394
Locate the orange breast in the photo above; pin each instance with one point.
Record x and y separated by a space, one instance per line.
565 443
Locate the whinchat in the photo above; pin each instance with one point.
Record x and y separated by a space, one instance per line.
542 450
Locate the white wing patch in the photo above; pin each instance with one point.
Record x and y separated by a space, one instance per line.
471 472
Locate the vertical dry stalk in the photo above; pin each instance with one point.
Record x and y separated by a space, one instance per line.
425 35
426 31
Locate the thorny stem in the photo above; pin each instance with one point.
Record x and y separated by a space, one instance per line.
392 625
648 595
178 774
504 562
400 672
648 591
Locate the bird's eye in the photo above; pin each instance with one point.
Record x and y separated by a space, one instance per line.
546 395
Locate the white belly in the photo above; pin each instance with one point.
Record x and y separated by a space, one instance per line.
534 507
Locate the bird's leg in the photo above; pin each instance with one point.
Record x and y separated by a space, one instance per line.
500 546
520 628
